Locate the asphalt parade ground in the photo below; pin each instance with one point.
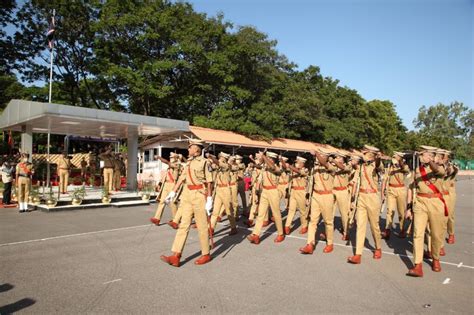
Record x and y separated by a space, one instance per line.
108 261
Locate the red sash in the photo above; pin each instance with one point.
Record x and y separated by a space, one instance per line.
433 188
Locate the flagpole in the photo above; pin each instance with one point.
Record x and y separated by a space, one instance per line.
48 168
51 67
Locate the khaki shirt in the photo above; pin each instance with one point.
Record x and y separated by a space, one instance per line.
369 176
234 170
299 179
342 177
24 168
64 163
196 171
324 177
269 178
283 179
396 174
223 175
108 160
433 178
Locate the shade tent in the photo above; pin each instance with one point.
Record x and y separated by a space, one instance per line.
30 117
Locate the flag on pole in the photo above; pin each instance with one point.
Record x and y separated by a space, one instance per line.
50 33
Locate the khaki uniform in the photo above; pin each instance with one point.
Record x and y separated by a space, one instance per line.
451 188
299 181
179 209
256 181
322 203
342 195
234 169
270 197
396 195
368 206
428 212
168 183
108 170
118 168
64 167
222 195
241 186
24 170
193 200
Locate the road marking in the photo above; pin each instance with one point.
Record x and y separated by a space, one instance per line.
116 280
447 281
73 235
461 265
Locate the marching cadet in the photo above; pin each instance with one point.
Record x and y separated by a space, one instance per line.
297 200
64 168
322 202
368 203
396 193
234 175
450 179
167 183
255 190
174 223
196 201
241 183
108 159
269 198
222 192
429 209
118 169
24 171
283 181
341 191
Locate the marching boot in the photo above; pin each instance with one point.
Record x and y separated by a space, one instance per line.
356 259
219 219
436 266
304 230
204 259
345 237
266 223
451 239
254 239
248 223
171 260
279 238
233 231
442 252
287 230
173 224
328 249
307 250
155 221
416 271
194 226
378 253
386 234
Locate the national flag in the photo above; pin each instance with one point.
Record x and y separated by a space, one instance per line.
50 33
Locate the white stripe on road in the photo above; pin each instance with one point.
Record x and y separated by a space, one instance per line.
73 235
116 280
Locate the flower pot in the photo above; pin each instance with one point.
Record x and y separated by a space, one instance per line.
76 201
51 203
36 200
106 199
146 197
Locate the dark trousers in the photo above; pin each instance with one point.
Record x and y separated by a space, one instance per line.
7 193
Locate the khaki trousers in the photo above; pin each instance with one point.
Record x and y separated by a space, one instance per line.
108 178
368 207
451 202
193 204
161 203
254 207
428 212
63 180
321 205
297 201
343 202
23 189
233 200
179 213
117 181
269 198
396 198
222 200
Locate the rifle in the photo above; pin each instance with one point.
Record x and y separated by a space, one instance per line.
162 185
353 208
384 192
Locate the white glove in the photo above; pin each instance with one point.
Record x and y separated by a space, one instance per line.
208 206
170 197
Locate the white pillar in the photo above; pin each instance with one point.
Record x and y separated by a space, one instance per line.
132 159
27 140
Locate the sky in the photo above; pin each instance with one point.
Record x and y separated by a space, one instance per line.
410 52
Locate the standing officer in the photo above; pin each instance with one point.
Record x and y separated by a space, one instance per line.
269 198
64 168
368 203
118 170
429 209
396 193
196 200
341 191
108 159
167 183
24 171
297 200
83 169
322 202
222 192
92 165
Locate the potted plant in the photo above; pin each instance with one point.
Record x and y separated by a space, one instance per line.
147 190
34 196
105 195
78 195
51 202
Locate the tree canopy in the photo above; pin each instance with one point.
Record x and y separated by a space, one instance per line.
163 58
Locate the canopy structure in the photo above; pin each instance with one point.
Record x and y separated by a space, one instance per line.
30 117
